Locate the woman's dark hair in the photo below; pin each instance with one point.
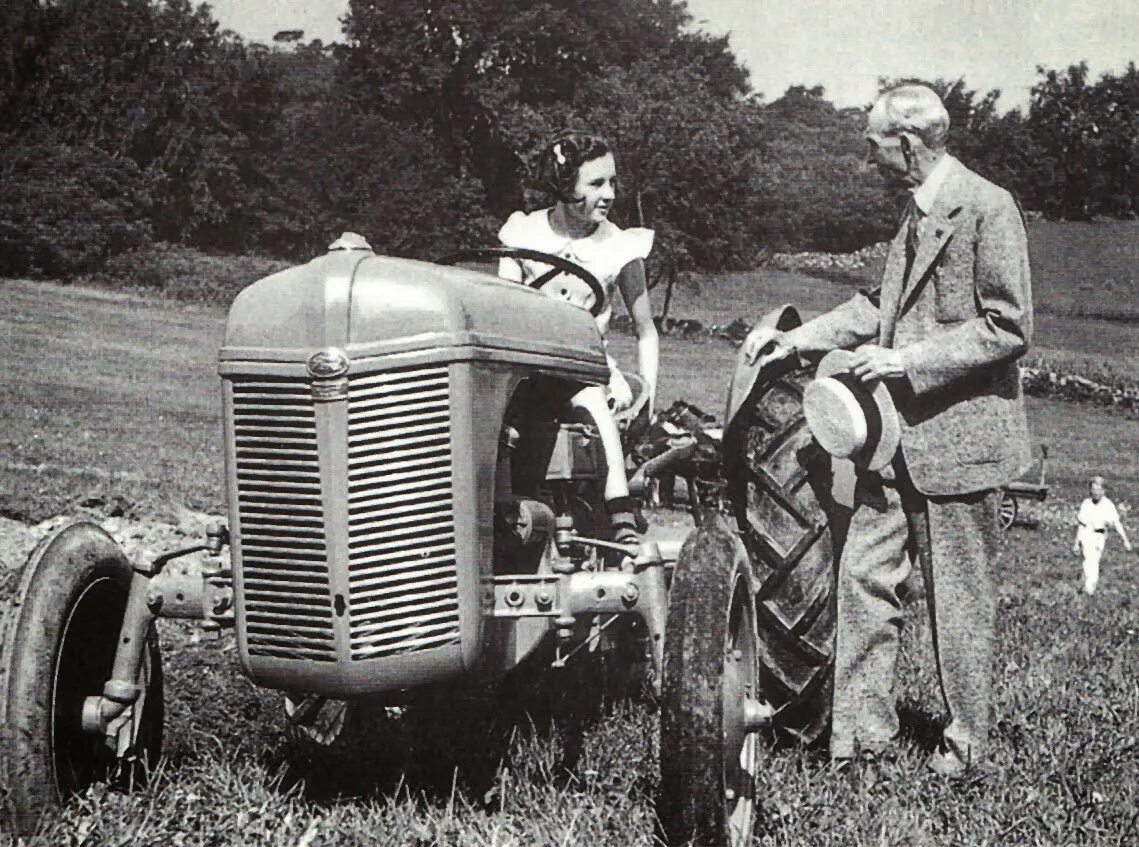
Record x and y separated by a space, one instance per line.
563 155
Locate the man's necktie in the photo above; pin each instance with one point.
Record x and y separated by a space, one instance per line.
911 221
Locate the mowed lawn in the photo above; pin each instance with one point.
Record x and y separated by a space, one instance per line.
105 393
1087 269
112 395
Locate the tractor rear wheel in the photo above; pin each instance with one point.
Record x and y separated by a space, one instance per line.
711 709
779 483
60 627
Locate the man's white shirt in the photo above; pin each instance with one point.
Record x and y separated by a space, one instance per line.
1098 517
926 193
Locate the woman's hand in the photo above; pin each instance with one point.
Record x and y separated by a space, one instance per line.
620 392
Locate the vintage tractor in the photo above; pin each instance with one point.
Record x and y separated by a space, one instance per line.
411 504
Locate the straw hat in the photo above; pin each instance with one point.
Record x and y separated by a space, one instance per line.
849 418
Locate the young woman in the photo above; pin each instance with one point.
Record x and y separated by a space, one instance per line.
577 169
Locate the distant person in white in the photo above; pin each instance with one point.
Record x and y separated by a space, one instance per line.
1097 515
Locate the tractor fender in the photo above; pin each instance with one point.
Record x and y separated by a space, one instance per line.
746 375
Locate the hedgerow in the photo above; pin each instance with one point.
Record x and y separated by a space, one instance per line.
64 209
1083 379
859 269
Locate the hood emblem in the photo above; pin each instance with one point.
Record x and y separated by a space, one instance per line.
328 363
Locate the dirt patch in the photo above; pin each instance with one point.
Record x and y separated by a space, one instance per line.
16 541
141 538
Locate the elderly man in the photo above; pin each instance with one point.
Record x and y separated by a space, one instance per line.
944 330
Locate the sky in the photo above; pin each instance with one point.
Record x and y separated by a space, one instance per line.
844 45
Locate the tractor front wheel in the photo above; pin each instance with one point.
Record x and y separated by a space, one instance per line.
60 627
711 703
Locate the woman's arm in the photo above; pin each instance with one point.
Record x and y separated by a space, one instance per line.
635 293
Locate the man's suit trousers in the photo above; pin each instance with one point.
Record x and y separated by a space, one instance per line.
954 540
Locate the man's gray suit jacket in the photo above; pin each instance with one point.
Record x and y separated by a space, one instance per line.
961 320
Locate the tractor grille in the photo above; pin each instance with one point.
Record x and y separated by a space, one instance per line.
401 531
288 612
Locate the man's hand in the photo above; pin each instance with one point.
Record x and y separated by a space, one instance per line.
871 362
766 344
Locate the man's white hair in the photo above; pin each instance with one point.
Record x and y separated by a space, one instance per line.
915 109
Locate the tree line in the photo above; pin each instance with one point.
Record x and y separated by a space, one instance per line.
128 120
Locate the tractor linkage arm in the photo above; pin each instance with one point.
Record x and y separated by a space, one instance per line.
204 593
639 587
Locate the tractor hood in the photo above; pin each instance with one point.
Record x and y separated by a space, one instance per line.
368 305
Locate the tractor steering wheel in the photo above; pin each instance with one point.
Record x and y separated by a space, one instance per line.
557 263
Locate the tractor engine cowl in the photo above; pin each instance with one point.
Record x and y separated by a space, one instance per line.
364 397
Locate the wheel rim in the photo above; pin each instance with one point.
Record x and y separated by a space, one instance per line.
741 746
84 661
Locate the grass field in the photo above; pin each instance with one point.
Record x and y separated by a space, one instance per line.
1087 269
104 394
105 391
1085 291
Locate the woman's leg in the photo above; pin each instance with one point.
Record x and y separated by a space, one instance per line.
594 401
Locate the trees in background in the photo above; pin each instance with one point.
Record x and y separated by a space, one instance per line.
488 82
66 208
1088 135
130 119
134 105
816 192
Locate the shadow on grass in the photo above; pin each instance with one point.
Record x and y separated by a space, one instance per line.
918 727
461 738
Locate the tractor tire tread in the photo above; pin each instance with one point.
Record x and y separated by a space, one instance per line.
779 485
